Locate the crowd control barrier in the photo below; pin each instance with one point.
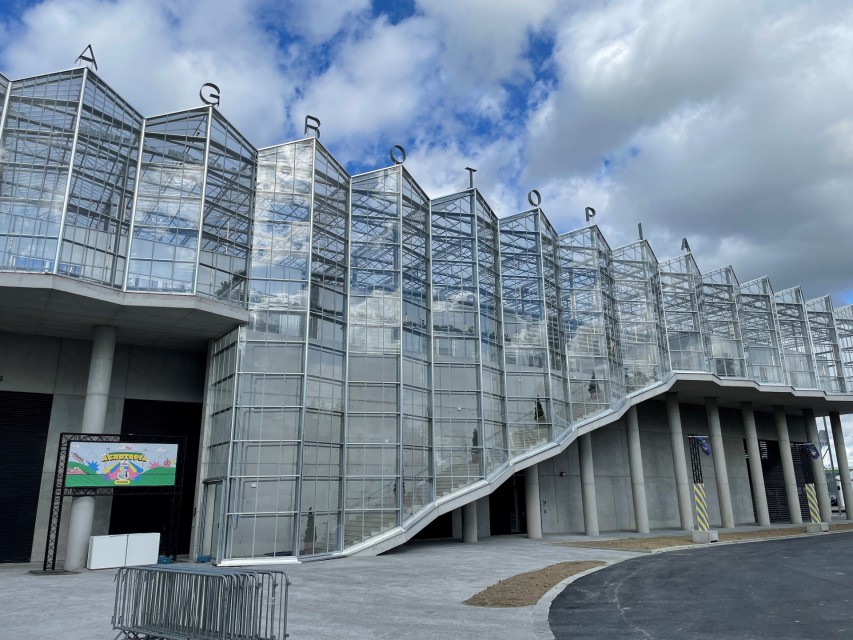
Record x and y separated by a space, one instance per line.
188 602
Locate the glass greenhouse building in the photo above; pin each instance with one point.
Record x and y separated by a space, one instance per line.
353 363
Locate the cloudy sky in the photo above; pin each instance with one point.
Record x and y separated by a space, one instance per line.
722 121
726 122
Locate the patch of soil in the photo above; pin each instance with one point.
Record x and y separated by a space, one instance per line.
527 589
633 544
664 542
841 527
765 533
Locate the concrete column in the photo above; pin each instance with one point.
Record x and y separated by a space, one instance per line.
817 468
469 522
531 498
756 473
787 465
721 471
635 463
679 462
456 523
590 508
841 459
94 419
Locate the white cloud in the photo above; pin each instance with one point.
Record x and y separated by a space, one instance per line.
158 53
382 81
722 122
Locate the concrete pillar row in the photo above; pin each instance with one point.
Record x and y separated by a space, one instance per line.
817 468
756 473
787 465
531 499
94 421
635 464
590 506
469 523
718 454
679 462
841 458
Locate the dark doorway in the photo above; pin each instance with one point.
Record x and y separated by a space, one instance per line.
441 527
774 481
152 512
24 421
507 513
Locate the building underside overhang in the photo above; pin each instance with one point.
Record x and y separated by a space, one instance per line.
62 307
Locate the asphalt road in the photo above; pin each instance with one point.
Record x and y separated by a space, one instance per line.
795 588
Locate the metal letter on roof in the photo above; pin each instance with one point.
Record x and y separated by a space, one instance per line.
209 97
312 123
88 56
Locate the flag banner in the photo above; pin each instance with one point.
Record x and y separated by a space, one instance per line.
703 444
814 452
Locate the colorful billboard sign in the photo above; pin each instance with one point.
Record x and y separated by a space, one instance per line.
120 464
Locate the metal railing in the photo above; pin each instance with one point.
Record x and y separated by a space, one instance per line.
193 603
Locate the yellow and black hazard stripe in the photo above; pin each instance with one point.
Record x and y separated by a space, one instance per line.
701 506
814 509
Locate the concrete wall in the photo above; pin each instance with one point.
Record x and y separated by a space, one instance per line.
561 503
39 364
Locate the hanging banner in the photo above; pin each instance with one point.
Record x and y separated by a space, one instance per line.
703 445
120 464
814 452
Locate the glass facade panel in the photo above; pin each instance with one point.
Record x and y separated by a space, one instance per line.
679 283
228 191
169 197
794 338
533 351
637 297
468 341
100 197
824 340
718 306
35 162
589 323
844 327
760 333
387 206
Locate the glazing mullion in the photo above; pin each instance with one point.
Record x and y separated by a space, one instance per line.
5 111
549 382
203 204
132 224
346 354
67 194
300 434
478 329
398 493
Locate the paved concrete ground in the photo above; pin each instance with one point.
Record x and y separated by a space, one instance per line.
415 591
781 589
